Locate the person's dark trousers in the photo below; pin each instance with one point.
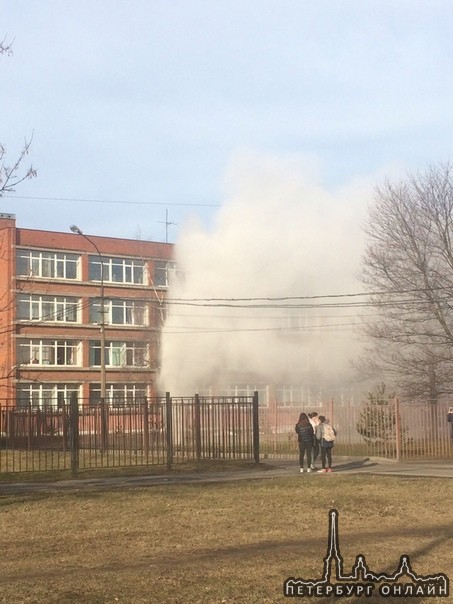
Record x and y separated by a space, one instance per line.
326 454
304 449
315 452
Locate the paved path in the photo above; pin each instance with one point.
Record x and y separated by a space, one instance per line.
268 469
437 469
345 465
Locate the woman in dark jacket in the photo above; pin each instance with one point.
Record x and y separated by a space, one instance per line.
305 437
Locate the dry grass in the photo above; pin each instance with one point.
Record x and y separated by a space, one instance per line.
215 543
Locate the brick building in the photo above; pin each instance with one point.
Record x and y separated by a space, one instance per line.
67 297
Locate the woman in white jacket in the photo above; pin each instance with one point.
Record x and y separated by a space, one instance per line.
326 446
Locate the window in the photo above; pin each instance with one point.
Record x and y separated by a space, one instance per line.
119 395
240 390
48 352
163 272
120 354
298 320
119 312
41 396
116 270
288 395
47 308
51 265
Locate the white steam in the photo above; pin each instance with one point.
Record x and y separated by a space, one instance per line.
278 235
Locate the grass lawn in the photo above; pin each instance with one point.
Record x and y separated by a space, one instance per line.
217 543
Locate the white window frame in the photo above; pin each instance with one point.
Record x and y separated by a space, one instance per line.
47 264
117 270
61 308
164 270
46 353
120 354
40 396
119 395
135 309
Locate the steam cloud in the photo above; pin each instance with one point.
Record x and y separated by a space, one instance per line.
279 235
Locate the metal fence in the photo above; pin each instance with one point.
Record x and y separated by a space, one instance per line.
169 431
391 429
159 431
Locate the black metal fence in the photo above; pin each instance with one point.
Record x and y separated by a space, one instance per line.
158 431
167 431
390 429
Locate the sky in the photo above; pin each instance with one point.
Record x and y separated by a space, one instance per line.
149 102
251 133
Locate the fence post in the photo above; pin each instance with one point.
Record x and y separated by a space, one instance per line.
104 425
398 428
146 430
274 398
256 429
434 432
169 421
74 433
197 427
65 421
29 427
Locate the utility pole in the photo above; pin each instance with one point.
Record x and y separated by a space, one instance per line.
75 229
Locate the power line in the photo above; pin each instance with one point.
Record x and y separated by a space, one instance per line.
413 302
317 297
144 203
294 331
285 317
304 302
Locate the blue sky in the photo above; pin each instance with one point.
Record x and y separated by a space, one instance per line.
149 102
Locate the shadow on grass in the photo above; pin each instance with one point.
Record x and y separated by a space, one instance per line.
183 560
355 464
120 472
8 500
446 534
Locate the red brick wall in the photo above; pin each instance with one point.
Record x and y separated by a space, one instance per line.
10 237
7 305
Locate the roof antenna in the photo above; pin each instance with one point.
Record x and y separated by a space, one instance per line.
167 224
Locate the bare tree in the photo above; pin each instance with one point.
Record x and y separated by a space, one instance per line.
6 48
11 174
408 268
